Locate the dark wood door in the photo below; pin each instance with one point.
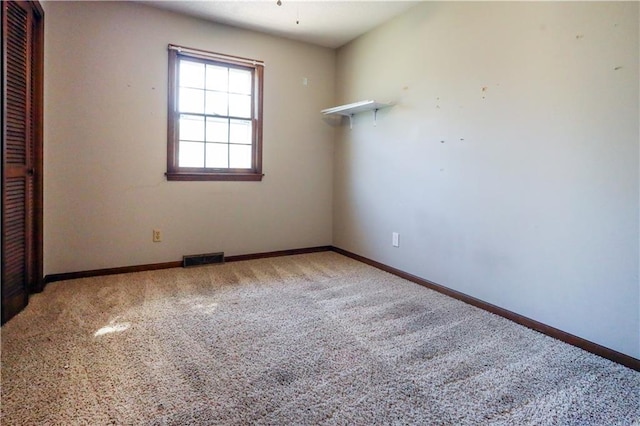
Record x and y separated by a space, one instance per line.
21 154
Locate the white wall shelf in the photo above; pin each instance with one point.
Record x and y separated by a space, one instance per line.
350 110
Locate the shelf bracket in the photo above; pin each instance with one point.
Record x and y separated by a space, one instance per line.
350 110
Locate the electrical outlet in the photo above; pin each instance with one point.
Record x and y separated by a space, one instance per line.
157 236
395 239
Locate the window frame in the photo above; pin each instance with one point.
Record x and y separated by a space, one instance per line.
177 173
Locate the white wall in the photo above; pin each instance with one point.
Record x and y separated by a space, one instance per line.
105 143
509 165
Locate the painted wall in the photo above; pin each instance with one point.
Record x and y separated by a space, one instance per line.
509 165
105 143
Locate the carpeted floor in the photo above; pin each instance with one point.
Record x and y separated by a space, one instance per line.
305 340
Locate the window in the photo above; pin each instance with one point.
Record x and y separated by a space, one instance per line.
215 116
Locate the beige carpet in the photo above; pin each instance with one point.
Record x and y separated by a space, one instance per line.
305 340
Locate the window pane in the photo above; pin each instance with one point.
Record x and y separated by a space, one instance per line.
217 78
191 128
217 103
239 81
240 106
240 132
191 74
217 155
217 129
240 156
191 100
191 154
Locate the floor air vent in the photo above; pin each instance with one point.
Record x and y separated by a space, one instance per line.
202 259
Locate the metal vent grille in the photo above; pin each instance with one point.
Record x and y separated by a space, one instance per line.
202 259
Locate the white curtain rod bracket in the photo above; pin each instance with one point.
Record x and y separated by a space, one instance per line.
213 55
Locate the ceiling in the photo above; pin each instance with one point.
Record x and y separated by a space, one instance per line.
326 23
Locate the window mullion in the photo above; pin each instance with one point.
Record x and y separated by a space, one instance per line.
205 142
232 117
205 116
228 125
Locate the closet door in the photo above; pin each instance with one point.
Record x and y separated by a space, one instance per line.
21 154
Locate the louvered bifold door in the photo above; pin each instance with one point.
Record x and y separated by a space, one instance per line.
18 180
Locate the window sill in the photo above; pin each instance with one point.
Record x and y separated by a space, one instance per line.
186 176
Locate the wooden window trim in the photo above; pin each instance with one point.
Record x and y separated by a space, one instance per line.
176 173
